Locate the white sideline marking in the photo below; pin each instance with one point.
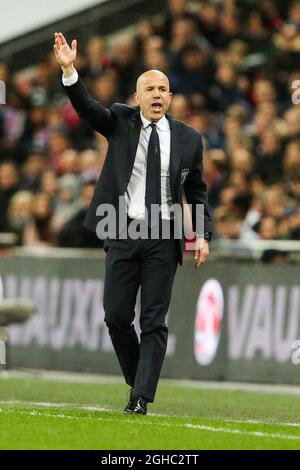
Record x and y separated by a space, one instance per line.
75 406
146 422
79 406
184 425
238 431
255 421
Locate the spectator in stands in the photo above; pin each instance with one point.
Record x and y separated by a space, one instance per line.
268 228
202 120
90 164
124 63
32 170
67 202
268 156
291 158
258 32
208 18
193 72
49 185
69 162
241 161
176 10
180 108
9 185
155 60
228 225
20 213
225 92
294 187
144 31
106 88
73 233
184 32
293 225
291 124
230 29
58 142
97 57
38 232
215 168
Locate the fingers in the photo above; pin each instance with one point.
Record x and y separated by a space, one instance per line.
62 38
197 258
55 50
74 45
57 40
57 45
200 258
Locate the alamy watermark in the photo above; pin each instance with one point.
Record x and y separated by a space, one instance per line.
2 92
114 222
296 94
296 352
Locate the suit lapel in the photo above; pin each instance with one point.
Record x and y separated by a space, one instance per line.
134 130
175 152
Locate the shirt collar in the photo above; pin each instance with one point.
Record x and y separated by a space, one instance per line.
162 124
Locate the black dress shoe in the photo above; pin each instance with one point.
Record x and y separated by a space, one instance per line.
131 403
140 406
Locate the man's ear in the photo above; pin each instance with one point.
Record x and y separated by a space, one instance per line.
136 97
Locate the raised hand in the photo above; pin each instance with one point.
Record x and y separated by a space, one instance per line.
64 54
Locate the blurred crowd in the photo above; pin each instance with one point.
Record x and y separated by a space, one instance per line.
231 66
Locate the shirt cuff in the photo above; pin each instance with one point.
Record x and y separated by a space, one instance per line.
68 81
206 235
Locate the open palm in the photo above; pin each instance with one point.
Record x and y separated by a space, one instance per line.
64 54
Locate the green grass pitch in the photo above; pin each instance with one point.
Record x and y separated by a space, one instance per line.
39 413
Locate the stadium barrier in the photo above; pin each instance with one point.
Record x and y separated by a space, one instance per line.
233 319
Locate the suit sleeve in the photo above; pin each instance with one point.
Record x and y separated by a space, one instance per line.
196 193
100 118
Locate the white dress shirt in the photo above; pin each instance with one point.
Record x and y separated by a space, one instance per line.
68 81
135 191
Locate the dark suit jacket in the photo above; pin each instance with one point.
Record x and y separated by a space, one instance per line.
121 125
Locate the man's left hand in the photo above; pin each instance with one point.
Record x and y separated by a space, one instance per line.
201 252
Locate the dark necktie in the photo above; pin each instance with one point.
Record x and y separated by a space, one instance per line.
153 189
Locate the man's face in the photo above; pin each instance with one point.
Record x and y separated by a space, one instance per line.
153 95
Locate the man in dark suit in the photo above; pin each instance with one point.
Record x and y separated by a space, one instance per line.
151 161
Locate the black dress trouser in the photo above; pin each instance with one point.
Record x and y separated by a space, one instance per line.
151 265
